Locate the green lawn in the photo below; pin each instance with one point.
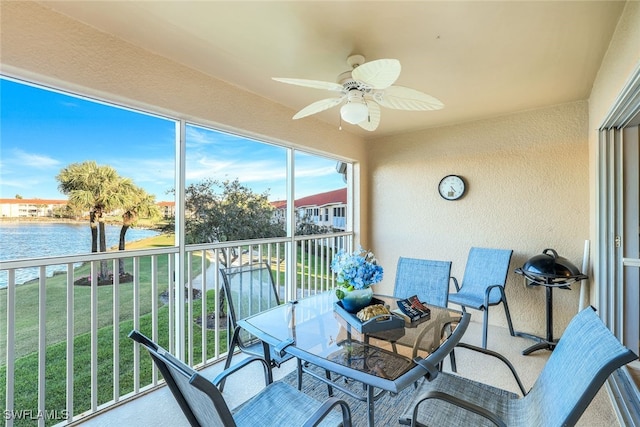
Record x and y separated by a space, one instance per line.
27 304
312 267
26 368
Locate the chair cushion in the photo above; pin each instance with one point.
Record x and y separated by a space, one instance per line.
436 412
281 405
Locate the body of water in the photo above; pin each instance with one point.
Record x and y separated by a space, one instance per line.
21 240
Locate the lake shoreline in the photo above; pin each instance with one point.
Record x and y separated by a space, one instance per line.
21 240
48 220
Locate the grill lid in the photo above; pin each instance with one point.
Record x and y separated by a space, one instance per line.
550 268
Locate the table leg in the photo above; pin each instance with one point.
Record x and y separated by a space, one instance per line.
267 358
370 402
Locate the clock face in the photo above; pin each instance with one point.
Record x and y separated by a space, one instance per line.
451 187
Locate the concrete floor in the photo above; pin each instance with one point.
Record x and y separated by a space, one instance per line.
158 408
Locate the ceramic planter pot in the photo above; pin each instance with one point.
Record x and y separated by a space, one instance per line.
357 299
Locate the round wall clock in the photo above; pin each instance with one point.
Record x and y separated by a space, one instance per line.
451 187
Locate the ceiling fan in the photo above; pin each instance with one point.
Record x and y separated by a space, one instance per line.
366 87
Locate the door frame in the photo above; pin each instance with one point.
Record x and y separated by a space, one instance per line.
610 263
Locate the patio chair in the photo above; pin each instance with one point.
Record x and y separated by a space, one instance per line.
426 278
429 280
485 276
277 404
249 289
582 361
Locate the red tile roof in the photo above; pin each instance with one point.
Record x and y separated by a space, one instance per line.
279 204
335 196
321 199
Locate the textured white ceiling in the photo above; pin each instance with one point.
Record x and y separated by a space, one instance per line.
482 59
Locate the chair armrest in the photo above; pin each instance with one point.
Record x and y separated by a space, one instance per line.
455 282
488 290
499 357
232 369
459 403
280 348
142 339
432 370
326 408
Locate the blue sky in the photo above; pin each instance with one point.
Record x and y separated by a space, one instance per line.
43 131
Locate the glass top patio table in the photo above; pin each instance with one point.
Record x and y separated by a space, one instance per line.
313 330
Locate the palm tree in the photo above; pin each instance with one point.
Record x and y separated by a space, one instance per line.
98 189
139 203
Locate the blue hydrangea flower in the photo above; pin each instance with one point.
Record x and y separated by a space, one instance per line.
359 269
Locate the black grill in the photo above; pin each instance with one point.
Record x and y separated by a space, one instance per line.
549 269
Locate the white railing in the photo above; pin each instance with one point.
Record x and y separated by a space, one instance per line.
64 344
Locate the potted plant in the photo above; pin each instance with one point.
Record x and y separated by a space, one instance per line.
355 273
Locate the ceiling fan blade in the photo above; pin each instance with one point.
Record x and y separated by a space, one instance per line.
378 74
404 98
318 106
316 84
373 120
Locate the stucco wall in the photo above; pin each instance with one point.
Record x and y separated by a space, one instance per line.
527 179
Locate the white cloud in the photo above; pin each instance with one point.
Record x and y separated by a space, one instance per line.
246 170
198 137
29 187
311 170
156 176
33 160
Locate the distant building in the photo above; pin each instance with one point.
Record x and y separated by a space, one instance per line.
168 209
29 208
327 209
46 208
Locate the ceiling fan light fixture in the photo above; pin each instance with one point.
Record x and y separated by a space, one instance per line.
355 110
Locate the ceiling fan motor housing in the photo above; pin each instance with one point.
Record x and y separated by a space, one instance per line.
347 81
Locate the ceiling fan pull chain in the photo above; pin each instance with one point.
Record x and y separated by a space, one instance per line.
368 111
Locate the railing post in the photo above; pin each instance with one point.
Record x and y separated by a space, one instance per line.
290 284
42 342
11 341
180 241
70 340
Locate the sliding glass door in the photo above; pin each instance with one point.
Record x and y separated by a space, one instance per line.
630 210
618 216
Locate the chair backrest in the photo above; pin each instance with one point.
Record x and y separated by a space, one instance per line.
582 361
249 290
426 278
200 401
486 267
